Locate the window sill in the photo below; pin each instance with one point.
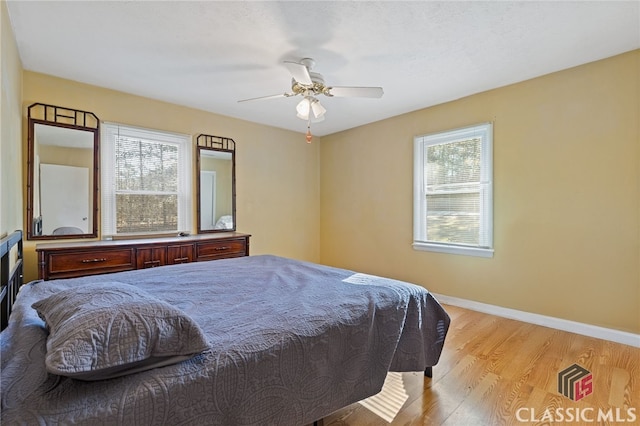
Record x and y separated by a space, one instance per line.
450 249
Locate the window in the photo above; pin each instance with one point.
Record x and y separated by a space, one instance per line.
146 181
453 198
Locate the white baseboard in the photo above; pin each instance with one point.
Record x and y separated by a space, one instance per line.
618 336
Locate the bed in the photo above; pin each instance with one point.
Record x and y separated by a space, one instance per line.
287 343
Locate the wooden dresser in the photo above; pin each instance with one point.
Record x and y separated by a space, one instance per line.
69 260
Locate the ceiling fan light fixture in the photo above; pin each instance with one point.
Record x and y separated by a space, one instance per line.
317 108
310 108
303 108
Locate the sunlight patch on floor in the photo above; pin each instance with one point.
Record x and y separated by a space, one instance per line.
388 402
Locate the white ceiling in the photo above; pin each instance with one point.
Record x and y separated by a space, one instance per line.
208 55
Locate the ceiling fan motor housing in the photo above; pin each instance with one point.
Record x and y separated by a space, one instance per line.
316 88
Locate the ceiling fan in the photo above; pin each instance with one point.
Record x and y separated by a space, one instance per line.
310 84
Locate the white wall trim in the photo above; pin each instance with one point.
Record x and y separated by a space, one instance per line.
618 336
452 249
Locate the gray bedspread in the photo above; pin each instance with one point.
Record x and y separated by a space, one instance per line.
290 342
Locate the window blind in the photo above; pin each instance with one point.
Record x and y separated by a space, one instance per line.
453 192
146 181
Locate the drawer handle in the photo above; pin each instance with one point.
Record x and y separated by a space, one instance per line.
152 262
103 259
181 259
222 248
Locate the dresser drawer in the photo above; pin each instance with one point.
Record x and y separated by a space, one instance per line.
182 253
150 257
211 250
69 264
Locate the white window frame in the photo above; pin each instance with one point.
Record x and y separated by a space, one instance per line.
108 164
420 242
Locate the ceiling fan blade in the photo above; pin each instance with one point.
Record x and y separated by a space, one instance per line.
262 98
356 92
299 72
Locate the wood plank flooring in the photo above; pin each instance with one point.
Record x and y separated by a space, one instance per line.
497 371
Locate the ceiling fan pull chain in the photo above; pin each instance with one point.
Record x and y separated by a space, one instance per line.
309 136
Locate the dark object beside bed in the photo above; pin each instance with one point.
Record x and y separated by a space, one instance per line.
11 271
289 343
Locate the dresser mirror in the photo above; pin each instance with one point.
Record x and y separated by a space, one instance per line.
216 184
62 173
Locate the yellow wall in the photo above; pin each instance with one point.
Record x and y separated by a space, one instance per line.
277 172
566 197
10 128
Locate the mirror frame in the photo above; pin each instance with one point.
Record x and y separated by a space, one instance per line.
220 144
51 115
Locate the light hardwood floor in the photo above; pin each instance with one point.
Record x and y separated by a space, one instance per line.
497 371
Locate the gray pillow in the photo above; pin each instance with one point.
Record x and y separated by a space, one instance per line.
104 330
